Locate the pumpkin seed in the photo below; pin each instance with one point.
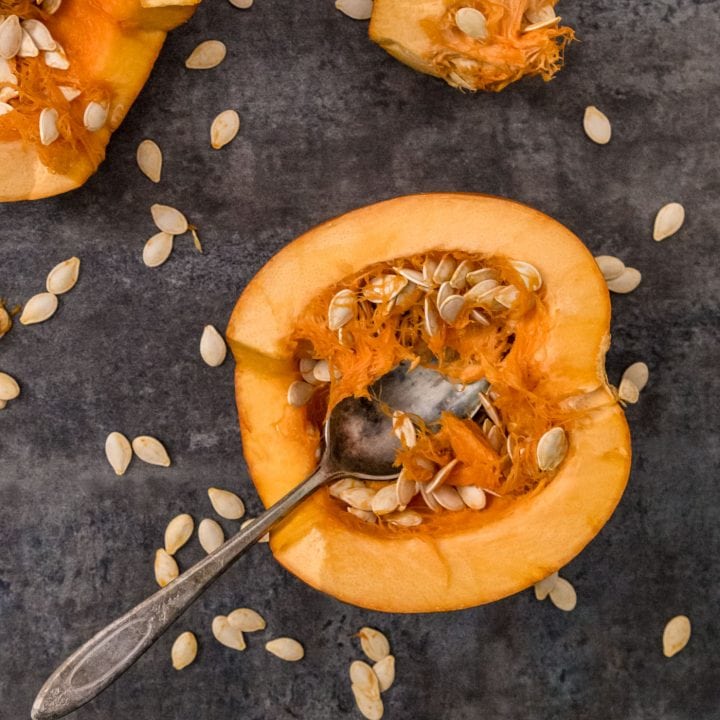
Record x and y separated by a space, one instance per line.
444 270
385 671
264 539
158 249
481 274
637 374
428 270
543 587
626 282
48 126
178 532
5 320
169 219
166 569
56 59
364 515
63 276
246 620
184 650
286 649
562 595
39 33
404 518
448 497
473 496
118 452
414 276
628 391
9 388
441 476
210 535
321 371
480 317
69 92
27 46
226 504
459 277
676 635
530 275
206 55
39 308
10 37
551 449
341 309
507 296
299 393
432 317
242 4
384 288
481 292
226 634
51 6
611 267
355 9
668 220
369 706
5 108
489 409
541 25
358 497
405 489
472 22
429 498
597 126
212 347
385 500
451 308
224 128
496 439
362 675
404 429
374 644
151 450
338 487
149 159
541 14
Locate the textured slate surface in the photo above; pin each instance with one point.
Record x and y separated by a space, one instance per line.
330 123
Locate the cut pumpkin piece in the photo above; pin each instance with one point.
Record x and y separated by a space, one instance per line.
473 44
478 288
69 84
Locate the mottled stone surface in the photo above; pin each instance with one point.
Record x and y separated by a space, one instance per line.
330 122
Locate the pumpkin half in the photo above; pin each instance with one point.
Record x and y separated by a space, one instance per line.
473 44
541 346
69 72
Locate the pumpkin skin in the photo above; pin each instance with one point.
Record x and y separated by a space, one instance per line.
112 46
424 36
458 559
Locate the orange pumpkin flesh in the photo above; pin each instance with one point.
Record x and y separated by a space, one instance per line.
453 560
111 47
425 36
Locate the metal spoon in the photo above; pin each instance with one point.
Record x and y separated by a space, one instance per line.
358 443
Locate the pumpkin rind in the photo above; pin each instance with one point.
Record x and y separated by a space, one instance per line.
456 559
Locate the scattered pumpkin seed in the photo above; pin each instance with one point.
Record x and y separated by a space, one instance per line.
625 283
638 374
611 267
597 126
369 706
95 116
169 219
363 675
385 671
668 220
157 249
544 586
299 393
226 634
374 644
5 320
166 568
285 648
472 22
184 650
210 535
212 347
39 308
178 532
551 449
224 128
628 391
63 276
48 125
150 160
246 620
206 55
226 504
118 452
563 595
9 388
151 450
676 635
242 4
355 9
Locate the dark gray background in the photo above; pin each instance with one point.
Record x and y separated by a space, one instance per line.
330 122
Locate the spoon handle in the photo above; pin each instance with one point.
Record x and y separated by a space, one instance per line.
103 658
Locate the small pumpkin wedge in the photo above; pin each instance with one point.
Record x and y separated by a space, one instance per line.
473 44
69 84
548 384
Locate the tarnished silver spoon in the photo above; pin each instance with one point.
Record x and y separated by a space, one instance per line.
358 443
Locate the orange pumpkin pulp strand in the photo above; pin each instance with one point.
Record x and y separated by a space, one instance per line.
553 374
